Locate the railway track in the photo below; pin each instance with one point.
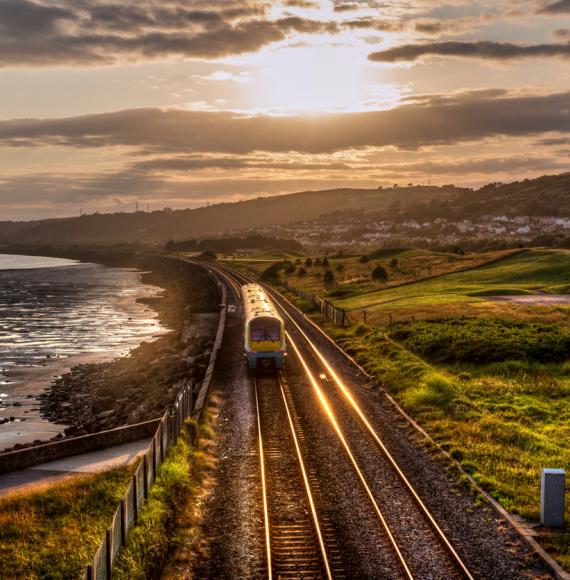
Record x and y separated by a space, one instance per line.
297 546
418 542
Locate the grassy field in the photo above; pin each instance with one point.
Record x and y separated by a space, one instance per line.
353 272
55 533
528 272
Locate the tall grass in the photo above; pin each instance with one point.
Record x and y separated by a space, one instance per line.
54 533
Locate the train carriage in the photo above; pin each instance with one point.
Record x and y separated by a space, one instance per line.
264 336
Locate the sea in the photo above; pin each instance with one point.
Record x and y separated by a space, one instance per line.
54 312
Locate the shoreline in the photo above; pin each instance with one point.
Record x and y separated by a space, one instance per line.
24 386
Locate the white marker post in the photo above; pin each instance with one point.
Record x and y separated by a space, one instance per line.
552 488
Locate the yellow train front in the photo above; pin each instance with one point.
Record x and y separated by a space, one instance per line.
264 337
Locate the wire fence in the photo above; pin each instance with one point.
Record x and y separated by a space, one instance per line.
326 308
127 513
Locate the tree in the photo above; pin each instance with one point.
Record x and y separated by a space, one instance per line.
328 279
288 267
301 272
380 274
325 262
308 263
208 255
394 263
364 259
318 262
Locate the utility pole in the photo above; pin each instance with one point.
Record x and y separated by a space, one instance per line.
136 206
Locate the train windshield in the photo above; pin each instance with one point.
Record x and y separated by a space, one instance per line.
263 329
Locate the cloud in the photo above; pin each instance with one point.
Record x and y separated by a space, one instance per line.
484 50
562 34
86 32
346 7
560 7
429 121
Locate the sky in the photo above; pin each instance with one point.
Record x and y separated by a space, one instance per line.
108 104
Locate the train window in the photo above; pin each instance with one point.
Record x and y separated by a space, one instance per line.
265 329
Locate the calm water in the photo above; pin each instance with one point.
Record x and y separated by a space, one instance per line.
57 308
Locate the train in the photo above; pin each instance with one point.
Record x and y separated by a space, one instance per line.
264 333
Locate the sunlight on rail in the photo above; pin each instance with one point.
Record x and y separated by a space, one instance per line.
263 485
331 416
348 395
306 481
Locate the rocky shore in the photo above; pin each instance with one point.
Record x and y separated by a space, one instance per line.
140 386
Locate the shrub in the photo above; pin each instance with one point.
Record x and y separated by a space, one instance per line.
301 272
317 262
325 262
364 259
340 268
207 255
484 340
394 263
328 279
380 274
308 263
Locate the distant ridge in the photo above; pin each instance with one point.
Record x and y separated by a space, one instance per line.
160 226
545 196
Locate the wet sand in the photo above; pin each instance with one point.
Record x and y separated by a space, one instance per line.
22 403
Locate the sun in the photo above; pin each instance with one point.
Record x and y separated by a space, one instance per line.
310 79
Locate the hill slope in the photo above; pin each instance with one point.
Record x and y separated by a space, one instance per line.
215 219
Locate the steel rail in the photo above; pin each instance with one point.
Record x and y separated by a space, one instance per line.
366 423
336 427
263 484
306 482
351 400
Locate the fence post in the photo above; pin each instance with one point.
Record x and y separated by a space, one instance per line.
154 468
135 499
108 552
145 474
123 516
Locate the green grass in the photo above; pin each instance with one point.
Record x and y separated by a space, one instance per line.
519 274
150 541
503 420
55 533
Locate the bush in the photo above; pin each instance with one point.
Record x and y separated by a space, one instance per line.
394 263
328 279
317 262
208 255
364 259
325 262
380 274
484 340
340 268
271 273
289 268
308 263
301 272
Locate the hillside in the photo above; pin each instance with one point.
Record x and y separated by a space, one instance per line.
544 196
160 226
548 195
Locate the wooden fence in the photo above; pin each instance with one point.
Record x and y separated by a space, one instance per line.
166 435
326 308
127 512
